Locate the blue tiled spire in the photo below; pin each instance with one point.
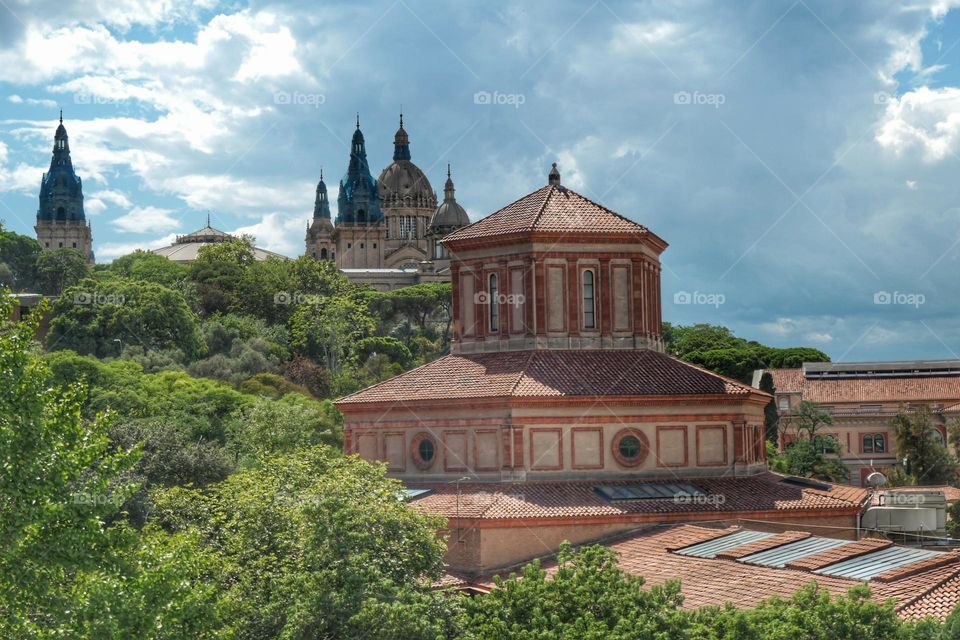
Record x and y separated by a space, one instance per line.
401 143
321 207
61 192
358 202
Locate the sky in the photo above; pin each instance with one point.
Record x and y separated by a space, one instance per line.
800 157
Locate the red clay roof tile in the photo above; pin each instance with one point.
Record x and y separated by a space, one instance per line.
543 373
549 209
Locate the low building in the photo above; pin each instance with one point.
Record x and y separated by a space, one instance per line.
745 565
557 415
863 397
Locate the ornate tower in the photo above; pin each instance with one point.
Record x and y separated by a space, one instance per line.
408 201
359 232
61 223
448 217
319 240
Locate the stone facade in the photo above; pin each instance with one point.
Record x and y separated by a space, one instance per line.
387 230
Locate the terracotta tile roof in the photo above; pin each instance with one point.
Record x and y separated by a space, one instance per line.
867 390
717 581
579 499
543 373
550 209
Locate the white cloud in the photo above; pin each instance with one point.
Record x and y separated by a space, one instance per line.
147 220
819 338
924 119
277 233
97 202
780 327
111 250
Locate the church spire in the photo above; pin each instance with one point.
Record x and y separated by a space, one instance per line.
321 206
448 187
358 201
401 143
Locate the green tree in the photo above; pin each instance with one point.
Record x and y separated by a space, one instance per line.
317 545
806 456
19 254
328 330
272 427
58 269
147 266
589 596
99 318
218 273
921 445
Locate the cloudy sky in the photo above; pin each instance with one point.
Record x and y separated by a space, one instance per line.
801 158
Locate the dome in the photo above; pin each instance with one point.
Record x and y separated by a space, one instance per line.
403 184
449 215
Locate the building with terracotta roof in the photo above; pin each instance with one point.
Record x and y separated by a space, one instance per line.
744 565
863 397
557 415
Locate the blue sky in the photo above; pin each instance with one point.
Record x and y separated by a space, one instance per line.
801 158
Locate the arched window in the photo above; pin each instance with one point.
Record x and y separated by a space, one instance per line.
589 305
874 443
323 254
493 301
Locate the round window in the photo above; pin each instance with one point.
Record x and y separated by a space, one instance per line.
423 450
630 447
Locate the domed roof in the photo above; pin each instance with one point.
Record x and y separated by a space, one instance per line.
449 215
403 184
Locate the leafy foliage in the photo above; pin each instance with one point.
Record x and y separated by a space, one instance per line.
920 443
317 545
716 348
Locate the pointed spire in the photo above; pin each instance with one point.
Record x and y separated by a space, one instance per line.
208 218
401 143
448 187
61 116
358 120
321 206
554 177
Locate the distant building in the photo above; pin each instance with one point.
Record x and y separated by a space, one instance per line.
388 231
61 223
186 248
557 415
862 397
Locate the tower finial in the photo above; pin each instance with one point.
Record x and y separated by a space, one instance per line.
401 116
208 218
61 116
358 119
448 169
554 177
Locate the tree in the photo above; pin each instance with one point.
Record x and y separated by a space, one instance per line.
68 568
100 317
272 427
317 545
589 596
920 446
218 272
58 269
807 455
771 416
18 253
329 329
147 266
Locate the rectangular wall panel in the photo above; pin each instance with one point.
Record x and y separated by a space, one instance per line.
672 447
555 296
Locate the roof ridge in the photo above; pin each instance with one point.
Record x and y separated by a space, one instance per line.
953 575
707 371
543 206
523 372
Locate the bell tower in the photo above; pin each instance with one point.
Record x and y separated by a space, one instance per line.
61 223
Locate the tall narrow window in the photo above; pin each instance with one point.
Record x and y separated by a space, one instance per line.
589 308
493 301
